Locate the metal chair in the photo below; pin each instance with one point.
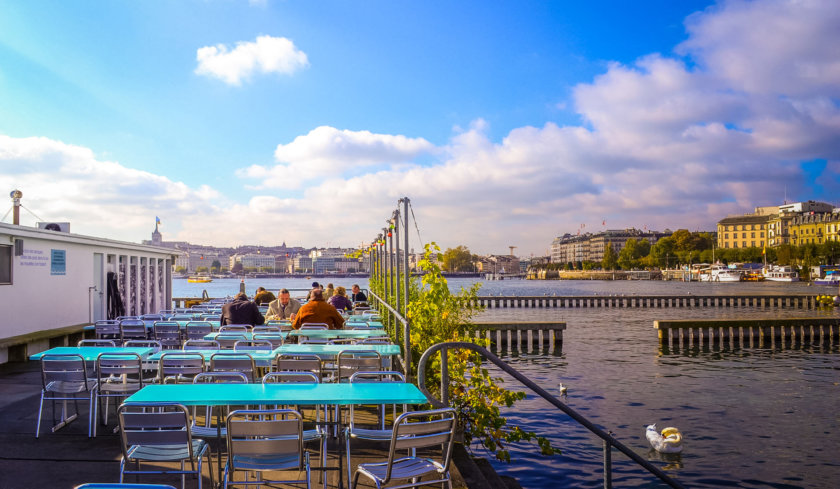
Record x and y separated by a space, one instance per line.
132 329
179 367
351 361
195 345
266 329
238 328
314 326
318 433
253 345
234 362
168 333
107 329
379 433
116 485
118 376
265 440
160 432
208 429
144 344
228 340
375 340
152 317
299 363
197 330
413 431
65 378
97 343
274 338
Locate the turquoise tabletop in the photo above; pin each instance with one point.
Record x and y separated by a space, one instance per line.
384 350
243 394
261 358
90 353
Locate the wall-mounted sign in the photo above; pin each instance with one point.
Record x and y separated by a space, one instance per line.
58 262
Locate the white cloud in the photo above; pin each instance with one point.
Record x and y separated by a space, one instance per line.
327 152
265 55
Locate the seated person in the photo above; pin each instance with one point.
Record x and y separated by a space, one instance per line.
329 292
241 311
318 311
283 308
340 300
358 295
263 296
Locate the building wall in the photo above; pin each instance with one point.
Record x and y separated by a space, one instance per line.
44 295
744 231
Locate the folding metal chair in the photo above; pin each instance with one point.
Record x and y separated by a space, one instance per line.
274 338
234 362
228 340
118 376
107 329
99 343
179 367
197 330
253 345
210 429
132 329
238 328
202 345
265 440
160 432
413 431
65 378
168 333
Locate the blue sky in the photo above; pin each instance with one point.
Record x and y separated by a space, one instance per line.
505 122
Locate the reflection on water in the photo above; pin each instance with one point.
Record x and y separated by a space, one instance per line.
750 417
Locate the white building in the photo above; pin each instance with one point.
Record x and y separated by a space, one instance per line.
53 283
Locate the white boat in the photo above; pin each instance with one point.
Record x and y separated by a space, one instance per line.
832 277
720 273
780 274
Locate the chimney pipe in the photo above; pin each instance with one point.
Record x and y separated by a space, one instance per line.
16 195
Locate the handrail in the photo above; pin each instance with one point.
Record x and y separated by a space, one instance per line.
406 358
609 440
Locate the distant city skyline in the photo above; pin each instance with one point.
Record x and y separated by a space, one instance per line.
506 124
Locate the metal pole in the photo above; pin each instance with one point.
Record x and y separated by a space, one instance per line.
407 282
396 240
607 465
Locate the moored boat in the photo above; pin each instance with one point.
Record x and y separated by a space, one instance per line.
832 277
780 274
720 273
199 280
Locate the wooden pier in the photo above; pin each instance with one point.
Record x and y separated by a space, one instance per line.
522 335
787 301
753 333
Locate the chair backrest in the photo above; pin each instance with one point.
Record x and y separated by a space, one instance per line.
197 330
375 340
127 367
233 362
152 317
290 378
168 333
179 365
266 329
220 378
117 485
228 340
283 324
100 343
253 345
62 371
107 328
265 432
273 338
144 344
352 361
180 317
314 326
201 345
155 424
421 429
241 328
299 363
132 329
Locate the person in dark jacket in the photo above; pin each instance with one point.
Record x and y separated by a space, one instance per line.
263 296
358 295
241 311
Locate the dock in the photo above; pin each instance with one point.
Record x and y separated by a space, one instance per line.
752 333
521 334
786 301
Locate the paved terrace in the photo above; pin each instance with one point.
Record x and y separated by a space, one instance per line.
68 457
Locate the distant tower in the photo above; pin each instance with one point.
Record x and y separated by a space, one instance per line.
157 239
511 249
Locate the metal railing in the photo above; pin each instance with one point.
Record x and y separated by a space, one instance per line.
608 440
391 319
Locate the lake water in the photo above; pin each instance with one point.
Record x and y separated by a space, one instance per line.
750 418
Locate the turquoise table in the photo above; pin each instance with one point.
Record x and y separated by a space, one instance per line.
334 350
305 394
91 353
261 358
338 333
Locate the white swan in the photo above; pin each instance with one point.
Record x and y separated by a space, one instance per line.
563 389
669 441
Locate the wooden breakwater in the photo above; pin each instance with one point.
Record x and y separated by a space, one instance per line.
522 335
786 301
753 333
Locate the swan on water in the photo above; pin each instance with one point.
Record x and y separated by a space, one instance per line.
562 389
669 441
